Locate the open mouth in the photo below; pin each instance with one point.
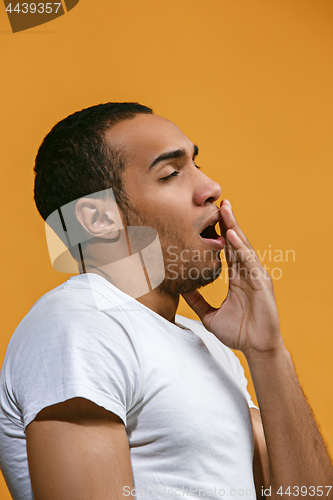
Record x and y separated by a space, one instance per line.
209 233
212 238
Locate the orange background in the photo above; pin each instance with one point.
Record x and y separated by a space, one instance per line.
249 81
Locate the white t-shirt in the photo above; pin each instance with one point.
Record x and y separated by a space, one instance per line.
179 391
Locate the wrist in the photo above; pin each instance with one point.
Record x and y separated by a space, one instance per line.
269 355
272 372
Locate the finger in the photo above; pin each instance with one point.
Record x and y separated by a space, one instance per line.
230 222
225 202
241 258
234 265
230 253
234 239
199 305
223 228
249 265
243 253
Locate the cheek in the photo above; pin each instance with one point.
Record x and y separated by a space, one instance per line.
156 203
138 190
150 204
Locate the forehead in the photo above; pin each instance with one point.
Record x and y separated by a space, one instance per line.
144 137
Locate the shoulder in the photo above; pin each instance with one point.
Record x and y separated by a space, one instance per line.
65 323
68 347
74 306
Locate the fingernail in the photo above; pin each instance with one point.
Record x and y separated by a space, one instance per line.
226 202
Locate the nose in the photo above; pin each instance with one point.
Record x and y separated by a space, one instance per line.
207 190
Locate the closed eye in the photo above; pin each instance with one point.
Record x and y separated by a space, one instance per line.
174 174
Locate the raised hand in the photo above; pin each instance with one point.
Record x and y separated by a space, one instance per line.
247 319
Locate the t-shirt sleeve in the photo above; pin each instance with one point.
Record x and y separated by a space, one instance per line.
70 350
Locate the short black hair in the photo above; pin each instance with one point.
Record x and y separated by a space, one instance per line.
75 160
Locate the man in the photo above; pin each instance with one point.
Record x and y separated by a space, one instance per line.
106 393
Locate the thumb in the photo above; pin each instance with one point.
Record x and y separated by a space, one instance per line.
199 305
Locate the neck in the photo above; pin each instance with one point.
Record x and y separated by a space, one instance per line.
132 279
162 303
127 271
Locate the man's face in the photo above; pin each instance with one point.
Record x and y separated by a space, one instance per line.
169 193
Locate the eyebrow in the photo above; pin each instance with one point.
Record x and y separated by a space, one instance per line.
178 153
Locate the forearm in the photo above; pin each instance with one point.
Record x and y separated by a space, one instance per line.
296 451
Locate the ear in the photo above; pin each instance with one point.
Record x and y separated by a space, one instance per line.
99 217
